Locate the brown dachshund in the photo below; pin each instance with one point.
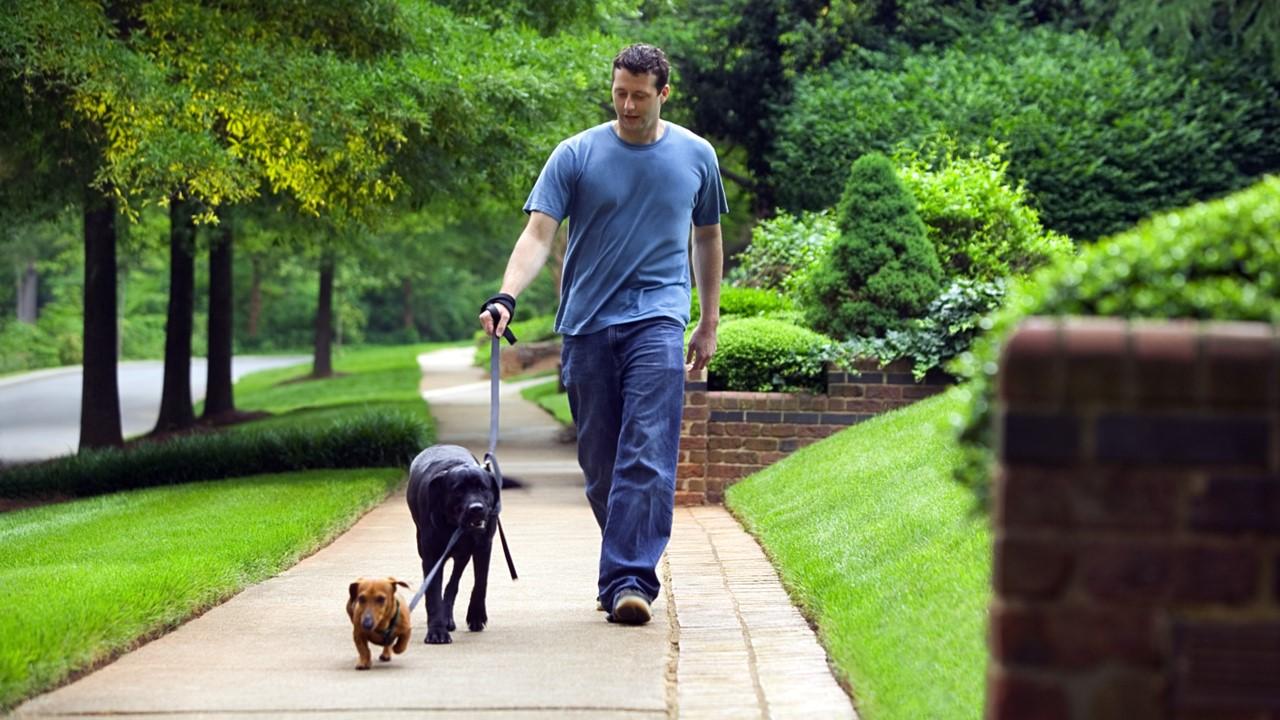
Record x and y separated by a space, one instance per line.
379 617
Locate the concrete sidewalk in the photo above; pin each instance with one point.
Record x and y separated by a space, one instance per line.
725 640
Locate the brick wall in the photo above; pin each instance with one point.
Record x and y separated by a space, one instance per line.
1137 518
726 436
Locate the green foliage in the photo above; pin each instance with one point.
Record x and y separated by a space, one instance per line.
742 302
373 439
981 227
1251 27
1214 260
945 331
764 355
782 250
882 269
157 557
883 552
1101 134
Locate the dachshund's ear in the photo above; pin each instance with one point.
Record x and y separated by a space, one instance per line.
401 583
355 588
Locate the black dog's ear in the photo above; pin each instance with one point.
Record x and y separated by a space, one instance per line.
437 492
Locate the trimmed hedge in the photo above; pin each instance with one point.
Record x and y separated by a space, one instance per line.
882 269
1211 261
742 302
1103 135
765 355
371 439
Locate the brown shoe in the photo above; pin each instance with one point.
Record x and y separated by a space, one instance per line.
630 607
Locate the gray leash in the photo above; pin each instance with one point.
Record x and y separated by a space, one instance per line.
422 590
490 460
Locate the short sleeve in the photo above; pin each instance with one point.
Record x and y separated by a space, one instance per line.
552 192
710 203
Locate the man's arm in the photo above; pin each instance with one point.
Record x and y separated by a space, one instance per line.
527 258
708 266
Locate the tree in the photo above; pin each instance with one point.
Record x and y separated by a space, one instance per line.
882 269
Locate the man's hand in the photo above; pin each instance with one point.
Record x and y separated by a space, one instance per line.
486 320
702 346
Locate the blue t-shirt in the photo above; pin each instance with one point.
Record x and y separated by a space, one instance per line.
630 208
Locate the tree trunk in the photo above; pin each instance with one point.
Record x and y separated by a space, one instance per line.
176 412
219 398
406 296
255 299
322 366
100 389
28 282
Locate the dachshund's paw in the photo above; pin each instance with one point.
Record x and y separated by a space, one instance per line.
363 665
438 637
385 657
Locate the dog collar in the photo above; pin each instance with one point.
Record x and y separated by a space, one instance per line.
391 627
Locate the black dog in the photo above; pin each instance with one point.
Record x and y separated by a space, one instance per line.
448 490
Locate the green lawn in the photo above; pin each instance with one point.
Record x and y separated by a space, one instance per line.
545 395
885 552
368 378
83 581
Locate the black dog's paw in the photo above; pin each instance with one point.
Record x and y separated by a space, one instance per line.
438 637
476 621
452 626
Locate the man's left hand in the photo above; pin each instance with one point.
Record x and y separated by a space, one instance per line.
702 346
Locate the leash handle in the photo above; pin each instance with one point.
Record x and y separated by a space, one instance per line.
422 589
492 309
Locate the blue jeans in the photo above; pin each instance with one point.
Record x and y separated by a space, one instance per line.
626 392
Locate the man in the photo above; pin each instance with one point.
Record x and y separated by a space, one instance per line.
631 188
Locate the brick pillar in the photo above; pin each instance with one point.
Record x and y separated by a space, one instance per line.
1137 517
691 471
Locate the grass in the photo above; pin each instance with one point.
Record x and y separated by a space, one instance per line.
371 378
547 397
886 554
364 376
84 581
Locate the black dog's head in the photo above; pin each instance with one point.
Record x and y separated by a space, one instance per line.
470 497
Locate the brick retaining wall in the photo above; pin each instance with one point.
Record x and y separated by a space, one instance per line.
726 436
1137 522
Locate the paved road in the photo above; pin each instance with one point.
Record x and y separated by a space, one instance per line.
40 411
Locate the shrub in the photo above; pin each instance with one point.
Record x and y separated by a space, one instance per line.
742 302
372 439
980 225
946 331
764 355
1102 135
782 250
882 269
1213 260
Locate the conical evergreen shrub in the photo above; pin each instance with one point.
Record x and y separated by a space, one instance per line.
882 270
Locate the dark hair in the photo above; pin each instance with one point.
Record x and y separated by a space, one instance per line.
641 58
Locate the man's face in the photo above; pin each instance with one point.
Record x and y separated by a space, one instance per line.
638 103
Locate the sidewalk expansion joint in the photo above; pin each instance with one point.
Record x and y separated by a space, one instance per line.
761 700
